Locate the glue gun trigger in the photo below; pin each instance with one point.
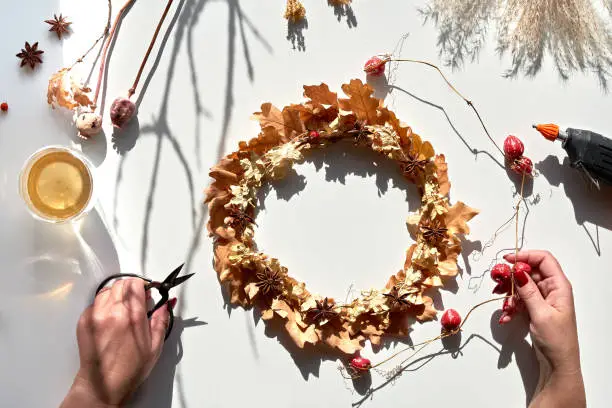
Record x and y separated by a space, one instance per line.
579 166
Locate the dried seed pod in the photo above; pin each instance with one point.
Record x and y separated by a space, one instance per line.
121 112
89 124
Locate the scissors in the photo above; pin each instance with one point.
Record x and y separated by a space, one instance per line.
163 288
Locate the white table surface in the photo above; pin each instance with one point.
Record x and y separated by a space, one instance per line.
221 61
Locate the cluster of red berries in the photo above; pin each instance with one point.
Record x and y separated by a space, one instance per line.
514 149
4 106
503 275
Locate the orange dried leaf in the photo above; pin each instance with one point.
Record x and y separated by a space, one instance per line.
320 94
293 124
457 216
442 175
429 312
269 138
63 91
360 102
271 116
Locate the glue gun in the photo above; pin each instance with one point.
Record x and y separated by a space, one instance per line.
588 151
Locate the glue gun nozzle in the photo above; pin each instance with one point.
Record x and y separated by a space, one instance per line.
549 131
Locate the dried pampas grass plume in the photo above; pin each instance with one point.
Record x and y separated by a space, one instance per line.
576 36
574 33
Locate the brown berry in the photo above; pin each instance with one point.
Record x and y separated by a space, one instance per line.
4 106
121 112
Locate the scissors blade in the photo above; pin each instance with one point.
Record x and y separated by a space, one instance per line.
172 276
181 279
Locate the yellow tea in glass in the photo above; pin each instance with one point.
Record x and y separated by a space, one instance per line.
57 184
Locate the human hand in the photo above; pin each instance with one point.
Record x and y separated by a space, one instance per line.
549 301
118 345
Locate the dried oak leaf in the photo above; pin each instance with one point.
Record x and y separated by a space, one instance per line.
419 149
293 124
428 312
396 280
299 336
230 275
268 138
271 116
457 216
225 174
65 92
343 342
361 102
447 261
442 175
321 108
320 94
402 130
286 122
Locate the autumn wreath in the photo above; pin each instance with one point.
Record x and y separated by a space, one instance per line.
255 279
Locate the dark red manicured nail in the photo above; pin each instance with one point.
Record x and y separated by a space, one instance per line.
521 278
172 302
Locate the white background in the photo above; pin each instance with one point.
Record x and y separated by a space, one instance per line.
339 222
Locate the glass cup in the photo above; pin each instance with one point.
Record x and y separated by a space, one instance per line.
56 184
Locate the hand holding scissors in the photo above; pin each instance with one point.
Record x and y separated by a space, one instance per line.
163 288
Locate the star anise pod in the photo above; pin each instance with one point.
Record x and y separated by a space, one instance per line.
360 135
59 25
396 299
323 310
411 165
433 232
30 55
239 219
269 281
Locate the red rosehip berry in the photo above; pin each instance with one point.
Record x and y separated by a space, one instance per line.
522 165
4 106
522 267
375 66
361 363
501 273
513 147
451 320
314 134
